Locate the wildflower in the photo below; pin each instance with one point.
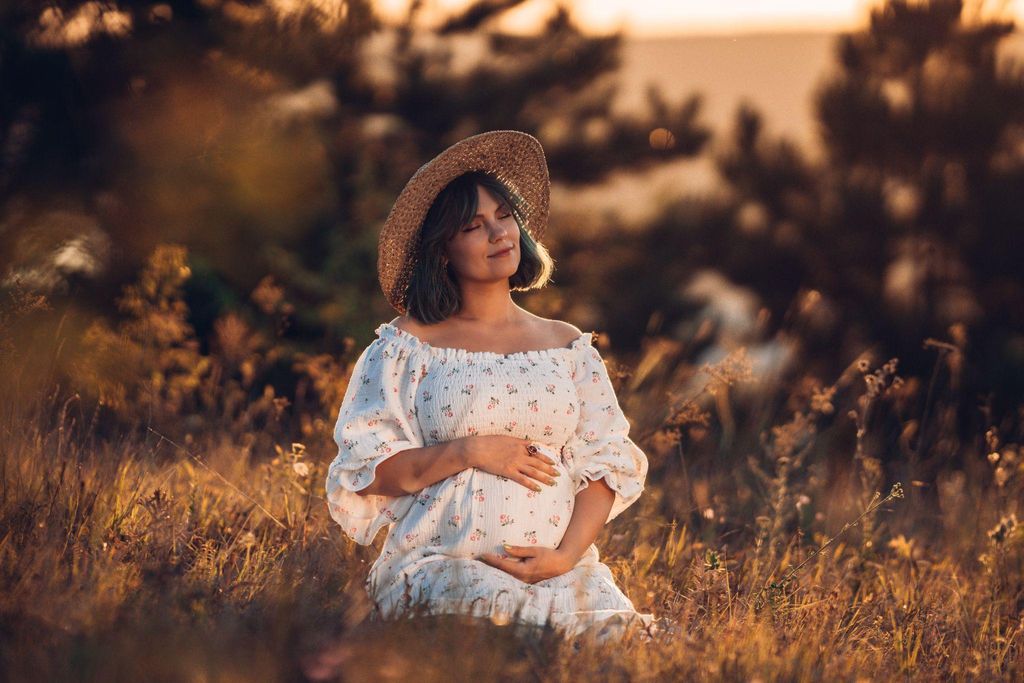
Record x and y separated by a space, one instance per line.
863 365
711 560
787 439
690 412
821 400
735 367
301 469
904 547
247 540
802 501
896 491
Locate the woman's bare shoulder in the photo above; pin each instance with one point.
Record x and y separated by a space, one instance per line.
431 334
409 324
403 322
564 333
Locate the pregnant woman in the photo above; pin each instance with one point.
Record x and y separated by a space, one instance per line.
488 440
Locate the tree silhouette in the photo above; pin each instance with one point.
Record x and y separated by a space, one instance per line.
921 128
905 230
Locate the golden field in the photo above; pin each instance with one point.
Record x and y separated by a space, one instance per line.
161 523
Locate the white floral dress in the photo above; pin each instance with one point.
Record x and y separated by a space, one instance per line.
405 393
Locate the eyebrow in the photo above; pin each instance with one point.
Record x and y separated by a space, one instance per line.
501 205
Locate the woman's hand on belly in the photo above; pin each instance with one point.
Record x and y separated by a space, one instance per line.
531 564
511 457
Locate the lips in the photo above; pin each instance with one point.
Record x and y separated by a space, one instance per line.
501 253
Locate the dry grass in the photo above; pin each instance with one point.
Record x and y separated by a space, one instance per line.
192 541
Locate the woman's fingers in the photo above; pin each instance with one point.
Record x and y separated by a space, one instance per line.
506 564
543 465
525 481
534 474
535 452
522 569
520 550
538 474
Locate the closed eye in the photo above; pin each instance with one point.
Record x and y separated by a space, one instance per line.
474 227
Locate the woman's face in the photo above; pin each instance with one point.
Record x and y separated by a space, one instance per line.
480 250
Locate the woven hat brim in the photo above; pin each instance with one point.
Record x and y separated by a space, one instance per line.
515 157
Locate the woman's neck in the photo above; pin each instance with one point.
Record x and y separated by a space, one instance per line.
492 307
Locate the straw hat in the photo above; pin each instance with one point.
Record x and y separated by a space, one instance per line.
516 158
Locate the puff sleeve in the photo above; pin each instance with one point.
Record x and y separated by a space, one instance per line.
376 420
600 446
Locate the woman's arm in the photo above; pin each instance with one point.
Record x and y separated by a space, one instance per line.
413 469
588 516
532 564
416 468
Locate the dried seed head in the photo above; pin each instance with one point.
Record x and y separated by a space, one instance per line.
821 400
1000 532
1002 476
873 384
992 439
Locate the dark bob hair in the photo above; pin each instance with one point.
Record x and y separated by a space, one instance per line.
433 292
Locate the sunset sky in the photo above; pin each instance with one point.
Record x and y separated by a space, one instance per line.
675 17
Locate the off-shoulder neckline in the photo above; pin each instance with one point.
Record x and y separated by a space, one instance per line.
389 330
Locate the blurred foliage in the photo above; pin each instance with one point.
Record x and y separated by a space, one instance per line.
904 230
142 557
272 137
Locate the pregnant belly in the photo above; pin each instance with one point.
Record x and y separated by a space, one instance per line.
476 512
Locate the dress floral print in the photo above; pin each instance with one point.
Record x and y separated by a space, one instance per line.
405 393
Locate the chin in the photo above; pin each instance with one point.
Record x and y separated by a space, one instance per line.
509 264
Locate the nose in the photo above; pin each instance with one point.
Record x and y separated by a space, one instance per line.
498 231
